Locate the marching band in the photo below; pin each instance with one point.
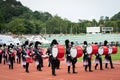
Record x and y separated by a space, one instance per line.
29 52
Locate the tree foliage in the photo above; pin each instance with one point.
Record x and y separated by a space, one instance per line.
18 19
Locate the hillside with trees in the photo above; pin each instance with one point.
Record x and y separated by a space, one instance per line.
18 19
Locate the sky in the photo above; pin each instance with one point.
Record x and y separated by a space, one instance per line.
74 10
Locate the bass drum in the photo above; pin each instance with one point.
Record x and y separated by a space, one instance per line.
113 50
76 52
110 50
103 50
92 49
58 51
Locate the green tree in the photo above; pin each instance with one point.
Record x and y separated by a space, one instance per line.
16 26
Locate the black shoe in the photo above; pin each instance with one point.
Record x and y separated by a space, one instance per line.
106 67
90 71
101 69
57 68
112 67
68 72
24 66
85 70
54 74
27 71
9 67
39 70
74 72
95 68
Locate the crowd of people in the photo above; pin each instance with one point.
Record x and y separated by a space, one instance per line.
26 53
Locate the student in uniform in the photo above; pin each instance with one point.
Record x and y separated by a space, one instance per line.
108 57
53 60
13 47
74 60
38 53
86 58
11 55
98 60
5 52
69 59
26 53
22 56
18 55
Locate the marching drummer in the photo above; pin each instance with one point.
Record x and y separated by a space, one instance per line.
74 60
108 57
18 55
5 52
86 57
52 59
38 54
26 54
69 59
11 55
98 59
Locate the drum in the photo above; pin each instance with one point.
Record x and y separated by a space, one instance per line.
0 51
103 50
29 59
76 52
110 50
28 52
92 49
58 51
113 50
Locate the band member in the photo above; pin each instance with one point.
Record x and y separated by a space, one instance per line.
13 49
18 55
26 54
11 55
23 58
38 53
5 52
74 60
98 60
69 59
52 59
86 58
108 57
1 51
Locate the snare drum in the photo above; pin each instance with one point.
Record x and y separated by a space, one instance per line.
29 59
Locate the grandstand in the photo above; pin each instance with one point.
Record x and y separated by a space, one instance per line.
88 37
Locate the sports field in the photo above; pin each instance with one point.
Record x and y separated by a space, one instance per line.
18 73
